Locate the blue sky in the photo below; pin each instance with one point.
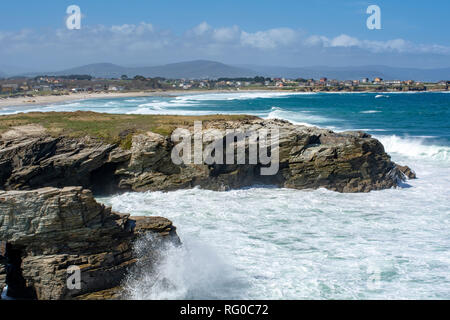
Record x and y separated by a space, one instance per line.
289 32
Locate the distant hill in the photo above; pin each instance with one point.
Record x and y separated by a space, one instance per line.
200 69
98 70
346 73
204 69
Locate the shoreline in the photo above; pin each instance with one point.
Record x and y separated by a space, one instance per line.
46 100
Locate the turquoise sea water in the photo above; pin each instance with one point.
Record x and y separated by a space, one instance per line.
405 114
268 243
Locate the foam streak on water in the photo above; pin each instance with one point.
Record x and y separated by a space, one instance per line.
262 243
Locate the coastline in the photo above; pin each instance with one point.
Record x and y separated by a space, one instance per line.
40 100
51 99
44 100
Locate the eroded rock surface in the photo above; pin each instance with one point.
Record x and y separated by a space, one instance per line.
309 158
54 229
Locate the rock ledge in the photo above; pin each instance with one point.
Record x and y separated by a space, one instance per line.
310 158
50 229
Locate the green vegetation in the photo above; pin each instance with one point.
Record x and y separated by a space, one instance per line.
111 128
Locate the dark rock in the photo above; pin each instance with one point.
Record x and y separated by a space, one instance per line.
53 229
407 172
309 158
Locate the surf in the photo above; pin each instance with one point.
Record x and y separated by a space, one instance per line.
414 147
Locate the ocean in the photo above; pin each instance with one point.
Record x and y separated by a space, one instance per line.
272 243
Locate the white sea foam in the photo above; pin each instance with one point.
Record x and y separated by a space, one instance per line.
300 117
366 130
152 105
414 147
162 111
193 271
68 104
288 244
135 100
370 111
240 95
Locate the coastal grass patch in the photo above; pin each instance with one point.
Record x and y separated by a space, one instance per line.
111 128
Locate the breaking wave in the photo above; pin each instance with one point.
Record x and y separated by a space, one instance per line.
239 96
300 117
414 147
370 111
272 243
188 271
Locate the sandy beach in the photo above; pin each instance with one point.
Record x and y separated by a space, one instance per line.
44 100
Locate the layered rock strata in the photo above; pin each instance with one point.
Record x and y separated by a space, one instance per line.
308 158
48 231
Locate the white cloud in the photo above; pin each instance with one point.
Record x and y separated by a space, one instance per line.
125 29
226 34
394 45
398 45
269 39
316 40
145 42
201 29
344 41
205 32
131 29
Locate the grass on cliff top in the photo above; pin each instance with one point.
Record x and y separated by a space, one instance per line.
111 128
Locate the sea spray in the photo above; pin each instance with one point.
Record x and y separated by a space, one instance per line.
414 148
289 244
167 271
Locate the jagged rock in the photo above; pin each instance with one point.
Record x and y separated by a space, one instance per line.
407 171
54 229
309 158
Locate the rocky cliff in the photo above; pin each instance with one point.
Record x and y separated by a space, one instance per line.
31 157
49 220
47 231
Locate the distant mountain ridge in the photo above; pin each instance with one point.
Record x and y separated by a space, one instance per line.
199 69
204 69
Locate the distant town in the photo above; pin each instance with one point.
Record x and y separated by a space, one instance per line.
65 85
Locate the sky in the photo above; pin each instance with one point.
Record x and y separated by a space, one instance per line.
296 33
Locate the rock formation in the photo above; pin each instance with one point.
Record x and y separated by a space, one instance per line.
407 172
49 220
309 158
52 229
